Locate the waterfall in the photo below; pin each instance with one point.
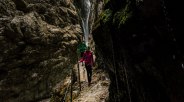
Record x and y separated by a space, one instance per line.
85 12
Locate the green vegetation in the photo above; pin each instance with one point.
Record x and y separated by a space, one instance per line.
106 1
122 16
119 18
106 15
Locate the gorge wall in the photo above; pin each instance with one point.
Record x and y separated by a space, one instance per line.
38 40
140 44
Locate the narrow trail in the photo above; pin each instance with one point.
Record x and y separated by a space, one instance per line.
98 90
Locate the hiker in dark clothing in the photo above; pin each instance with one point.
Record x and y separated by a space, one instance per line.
89 63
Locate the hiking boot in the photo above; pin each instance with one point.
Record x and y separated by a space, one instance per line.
89 84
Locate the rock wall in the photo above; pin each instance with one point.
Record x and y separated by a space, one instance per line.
38 40
141 48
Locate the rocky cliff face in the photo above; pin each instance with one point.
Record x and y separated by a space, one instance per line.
38 40
140 46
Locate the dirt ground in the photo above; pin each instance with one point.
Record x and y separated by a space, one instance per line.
97 91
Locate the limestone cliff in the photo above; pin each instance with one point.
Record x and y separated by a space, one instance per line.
38 40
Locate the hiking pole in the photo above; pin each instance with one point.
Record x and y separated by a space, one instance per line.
71 85
78 74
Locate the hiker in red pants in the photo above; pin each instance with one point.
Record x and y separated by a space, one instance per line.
89 63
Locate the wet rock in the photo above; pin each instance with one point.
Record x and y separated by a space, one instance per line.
139 54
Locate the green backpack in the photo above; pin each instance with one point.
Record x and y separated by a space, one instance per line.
82 47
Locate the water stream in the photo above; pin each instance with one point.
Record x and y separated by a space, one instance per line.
86 6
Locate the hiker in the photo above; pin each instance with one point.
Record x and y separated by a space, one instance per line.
89 63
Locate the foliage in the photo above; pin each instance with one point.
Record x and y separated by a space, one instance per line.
122 15
106 15
106 1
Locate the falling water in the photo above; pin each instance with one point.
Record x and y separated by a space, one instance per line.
86 5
